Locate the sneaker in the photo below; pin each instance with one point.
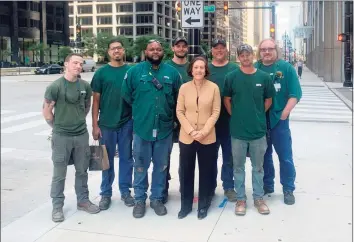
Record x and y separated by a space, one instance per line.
57 215
240 208
159 208
139 209
104 203
128 200
289 198
268 191
88 207
261 206
231 195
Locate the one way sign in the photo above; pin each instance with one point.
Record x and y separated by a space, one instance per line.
192 14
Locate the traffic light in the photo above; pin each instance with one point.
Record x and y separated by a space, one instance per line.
342 37
226 8
78 33
178 6
272 31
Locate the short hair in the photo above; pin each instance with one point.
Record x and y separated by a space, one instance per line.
68 57
191 64
115 40
277 49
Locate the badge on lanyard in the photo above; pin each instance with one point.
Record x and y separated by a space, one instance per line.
154 133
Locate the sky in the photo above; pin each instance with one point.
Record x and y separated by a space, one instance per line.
284 16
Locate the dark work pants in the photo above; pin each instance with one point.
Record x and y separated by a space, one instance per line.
207 154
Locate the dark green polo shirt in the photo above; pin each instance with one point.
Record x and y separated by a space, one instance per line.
182 69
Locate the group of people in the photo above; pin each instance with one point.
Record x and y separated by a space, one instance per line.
242 109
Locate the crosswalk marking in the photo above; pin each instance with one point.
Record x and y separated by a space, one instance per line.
6 150
6 111
20 116
24 126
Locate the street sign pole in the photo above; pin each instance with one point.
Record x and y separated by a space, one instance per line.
192 18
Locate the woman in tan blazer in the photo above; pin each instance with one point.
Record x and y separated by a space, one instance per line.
198 109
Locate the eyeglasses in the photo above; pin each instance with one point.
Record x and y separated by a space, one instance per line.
267 49
78 91
116 48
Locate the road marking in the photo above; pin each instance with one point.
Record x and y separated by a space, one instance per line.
20 116
24 126
45 132
6 150
6 111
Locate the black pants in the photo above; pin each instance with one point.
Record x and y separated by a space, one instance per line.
299 71
207 154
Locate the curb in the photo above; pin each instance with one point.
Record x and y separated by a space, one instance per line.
345 100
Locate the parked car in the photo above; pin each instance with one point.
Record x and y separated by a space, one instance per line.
89 65
49 69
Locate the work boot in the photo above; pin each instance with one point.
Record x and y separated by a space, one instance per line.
57 215
261 206
128 200
240 208
104 203
289 198
159 208
139 209
88 207
231 195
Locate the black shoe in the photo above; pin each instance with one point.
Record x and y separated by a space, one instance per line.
128 200
183 213
202 213
268 191
139 209
104 203
289 198
165 199
159 208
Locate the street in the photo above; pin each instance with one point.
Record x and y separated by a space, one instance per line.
321 127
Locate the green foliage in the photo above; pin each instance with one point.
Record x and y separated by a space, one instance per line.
89 41
37 49
64 51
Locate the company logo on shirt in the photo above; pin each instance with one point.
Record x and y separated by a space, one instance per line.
166 77
258 85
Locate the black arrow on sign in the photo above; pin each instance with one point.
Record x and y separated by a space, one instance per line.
190 20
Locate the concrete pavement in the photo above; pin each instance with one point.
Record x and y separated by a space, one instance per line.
321 128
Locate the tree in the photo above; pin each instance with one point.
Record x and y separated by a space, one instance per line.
141 43
38 49
206 49
64 51
102 41
89 41
5 54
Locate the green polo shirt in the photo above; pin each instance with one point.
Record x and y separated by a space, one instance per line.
114 112
153 109
69 109
182 69
287 86
248 92
217 75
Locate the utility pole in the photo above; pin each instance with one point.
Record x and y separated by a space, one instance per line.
348 67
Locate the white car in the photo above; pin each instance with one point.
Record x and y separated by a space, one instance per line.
89 65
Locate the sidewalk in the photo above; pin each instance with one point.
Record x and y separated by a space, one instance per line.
322 213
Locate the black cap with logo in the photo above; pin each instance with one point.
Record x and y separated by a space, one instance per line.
244 47
178 39
218 41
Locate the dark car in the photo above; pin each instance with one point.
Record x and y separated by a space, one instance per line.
49 69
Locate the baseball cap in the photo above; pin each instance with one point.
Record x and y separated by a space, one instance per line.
218 41
178 39
244 47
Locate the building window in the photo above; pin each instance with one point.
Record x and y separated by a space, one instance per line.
22 5
167 22
34 6
146 30
50 24
167 33
144 7
49 9
22 22
104 30
174 34
71 10
4 20
104 20
174 24
159 31
159 20
71 21
167 11
86 31
144 19
34 23
84 9
125 31
125 19
107 8
85 20
159 8
124 8
71 32
59 12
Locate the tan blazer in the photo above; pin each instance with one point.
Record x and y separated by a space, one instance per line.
201 117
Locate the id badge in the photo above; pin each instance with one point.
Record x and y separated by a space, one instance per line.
277 86
154 133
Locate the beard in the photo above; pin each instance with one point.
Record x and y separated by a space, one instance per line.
117 58
153 61
181 56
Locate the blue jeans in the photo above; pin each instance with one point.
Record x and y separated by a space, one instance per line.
227 175
280 138
257 149
123 137
143 152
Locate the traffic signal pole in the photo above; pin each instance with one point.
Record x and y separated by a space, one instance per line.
348 67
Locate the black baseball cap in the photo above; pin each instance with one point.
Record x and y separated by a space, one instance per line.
244 47
178 39
218 41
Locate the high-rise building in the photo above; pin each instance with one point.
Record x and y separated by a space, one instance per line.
26 23
255 24
129 18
